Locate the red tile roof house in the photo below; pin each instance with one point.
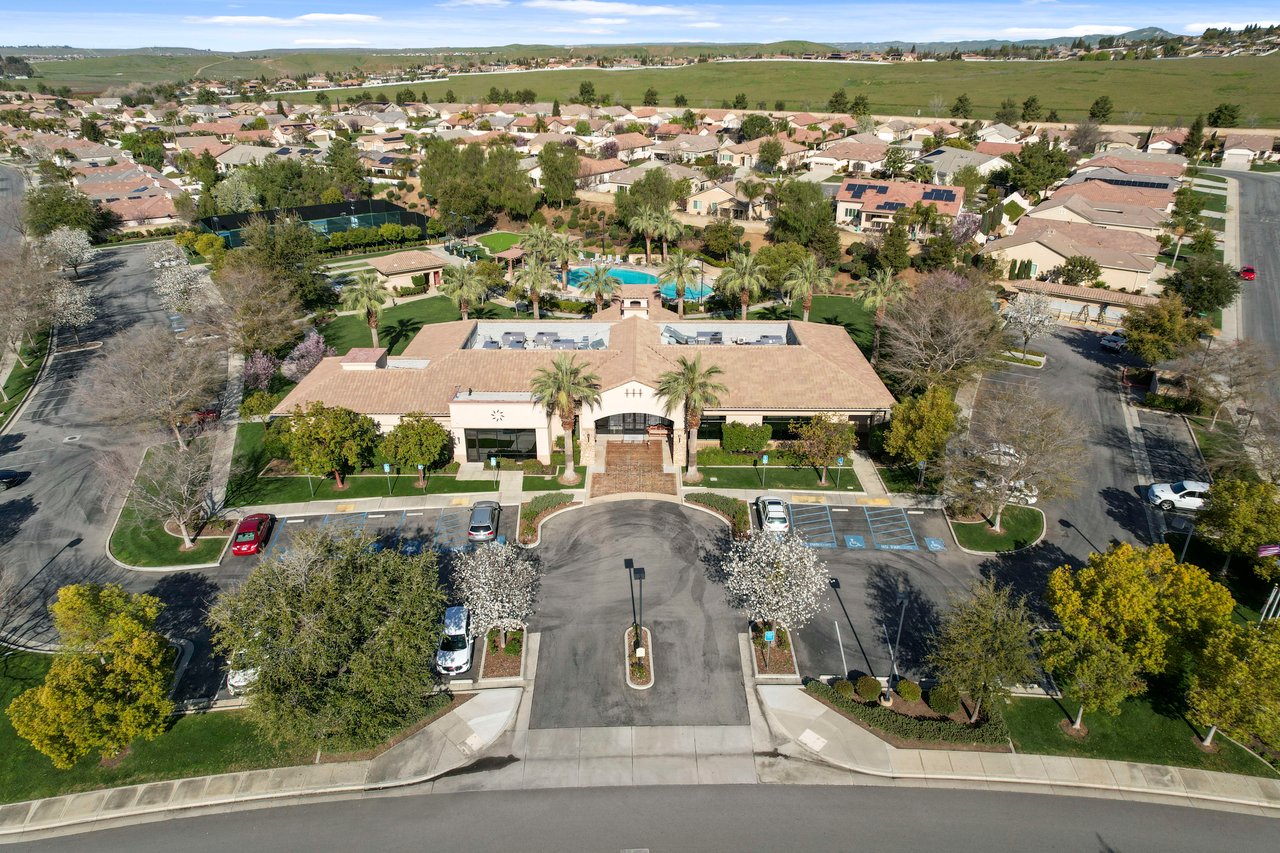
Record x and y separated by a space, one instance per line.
748 153
1103 192
871 205
396 271
1169 142
473 376
1127 259
856 158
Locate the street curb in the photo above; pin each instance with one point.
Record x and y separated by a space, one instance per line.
1044 531
35 383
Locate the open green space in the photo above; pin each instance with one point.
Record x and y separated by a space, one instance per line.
551 483
20 379
1265 167
834 310
776 477
195 745
1020 526
1211 201
1160 92
400 323
1147 730
250 457
903 479
136 542
498 241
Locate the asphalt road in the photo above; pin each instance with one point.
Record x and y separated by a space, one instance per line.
1259 225
11 187
584 606
706 819
54 527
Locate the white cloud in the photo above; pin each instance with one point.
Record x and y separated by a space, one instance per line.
330 42
1055 32
1224 25
605 22
452 3
607 7
703 25
269 21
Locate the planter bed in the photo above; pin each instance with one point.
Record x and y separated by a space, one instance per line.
639 672
504 662
533 512
781 657
934 732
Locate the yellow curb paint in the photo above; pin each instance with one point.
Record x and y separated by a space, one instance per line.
459 502
874 502
345 508
808 499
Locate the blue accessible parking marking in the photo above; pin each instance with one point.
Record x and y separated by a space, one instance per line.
451 530
934 544
854 541
812 523
890 529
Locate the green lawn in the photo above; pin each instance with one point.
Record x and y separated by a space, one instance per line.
498 241
1265 167
401 323
247 489
902 479
19 380
835 310
776 477
140 543
539 483
1213 179
1214 223
1211 201
1140 733
1021 526
196 745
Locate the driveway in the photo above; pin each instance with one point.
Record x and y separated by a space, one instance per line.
584 609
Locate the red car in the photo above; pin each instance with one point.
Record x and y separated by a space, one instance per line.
252 534
1248 273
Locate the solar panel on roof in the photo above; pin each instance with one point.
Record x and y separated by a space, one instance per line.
890 205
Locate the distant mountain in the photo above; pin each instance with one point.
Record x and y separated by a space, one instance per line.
1144 34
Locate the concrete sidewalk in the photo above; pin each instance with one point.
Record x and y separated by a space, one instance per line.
813 729
449 743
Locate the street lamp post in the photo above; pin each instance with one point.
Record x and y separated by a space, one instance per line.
893 650
638 572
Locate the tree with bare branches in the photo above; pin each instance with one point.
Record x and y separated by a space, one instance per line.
252 308
149 377
1226 372
1020 447
171 486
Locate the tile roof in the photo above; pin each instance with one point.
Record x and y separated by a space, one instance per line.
1102 192
1087 294
1133 167
1102 213
862 152
1259 144
407 261
888 196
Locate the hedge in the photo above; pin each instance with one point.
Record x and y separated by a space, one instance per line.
1174 403
991 730
717 456
731 508
745 438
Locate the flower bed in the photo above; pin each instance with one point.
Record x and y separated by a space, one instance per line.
733 510
502 661
914 732
775 659
532 513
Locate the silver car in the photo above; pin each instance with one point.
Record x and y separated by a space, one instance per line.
773 514
483 526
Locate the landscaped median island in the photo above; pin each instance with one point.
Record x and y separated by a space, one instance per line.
639 658
736 512
532 513
21 378
773 655
503 660
916 724
1019 527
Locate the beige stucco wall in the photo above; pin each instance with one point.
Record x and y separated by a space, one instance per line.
492 414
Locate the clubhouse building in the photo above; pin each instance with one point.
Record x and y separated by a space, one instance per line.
474 376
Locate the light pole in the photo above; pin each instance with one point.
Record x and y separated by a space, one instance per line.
638 572
893 650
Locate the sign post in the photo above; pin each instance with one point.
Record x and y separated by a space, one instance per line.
493 463
920 480
839 468
422 476
386 469
764 472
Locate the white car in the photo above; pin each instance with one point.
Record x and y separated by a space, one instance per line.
1116 341
1185 494
773 514
456 644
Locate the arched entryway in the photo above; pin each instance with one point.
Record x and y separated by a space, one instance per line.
633 453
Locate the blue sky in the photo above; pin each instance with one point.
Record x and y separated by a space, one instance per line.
259 24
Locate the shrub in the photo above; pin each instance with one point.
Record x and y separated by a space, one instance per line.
534 508
944 699
991 730
908 690
719 456
869 688
745 438
538 218
557 222
844 687
419 280
731 508
1174 403
533 466
258 405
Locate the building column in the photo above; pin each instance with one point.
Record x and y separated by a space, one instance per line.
459 445
544 444
679 444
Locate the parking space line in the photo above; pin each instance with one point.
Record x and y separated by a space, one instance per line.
294 520
890 529
814 525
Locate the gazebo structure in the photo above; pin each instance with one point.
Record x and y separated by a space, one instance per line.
515 253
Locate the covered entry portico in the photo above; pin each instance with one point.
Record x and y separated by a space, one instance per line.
631 412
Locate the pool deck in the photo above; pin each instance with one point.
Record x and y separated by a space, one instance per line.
629 273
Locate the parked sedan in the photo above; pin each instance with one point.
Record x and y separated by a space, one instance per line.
1185 494
456 643
483 526
252 534
773 514
1248 273
9 479
1115 341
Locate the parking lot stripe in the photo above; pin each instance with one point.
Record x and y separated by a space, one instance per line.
413 514
294 520
379 515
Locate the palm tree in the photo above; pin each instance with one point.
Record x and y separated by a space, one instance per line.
681 269
536 240
562 249
535 278
668 228
750 189
922 218
694 387
804 279
744 278
367 295
645 221
599 285
561 389
882 290
464 286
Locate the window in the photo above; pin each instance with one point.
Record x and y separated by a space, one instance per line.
504 443
782 427
711 427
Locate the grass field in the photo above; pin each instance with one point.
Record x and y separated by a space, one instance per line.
1144 731
776 477
1020 527
1211 201
401 323
138 543
1160 92
835 310
498 241
196 745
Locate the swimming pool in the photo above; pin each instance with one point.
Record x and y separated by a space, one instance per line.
626 276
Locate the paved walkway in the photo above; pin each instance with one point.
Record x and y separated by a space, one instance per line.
1232 321
814 729
447 744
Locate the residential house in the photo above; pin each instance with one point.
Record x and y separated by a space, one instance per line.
854 158
396 271
1101 191
685 148
1124 217
726 201
633 146
747 154
1239 150
1114 140
894 130
945 129
947 161
998 149
871 205
1126 259
624 178
1121 178
999 132
1125 161
1168 142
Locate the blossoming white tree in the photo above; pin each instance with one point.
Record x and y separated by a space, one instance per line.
71 306
498 584
176 285
774 578
165 254
1029 316
65 246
